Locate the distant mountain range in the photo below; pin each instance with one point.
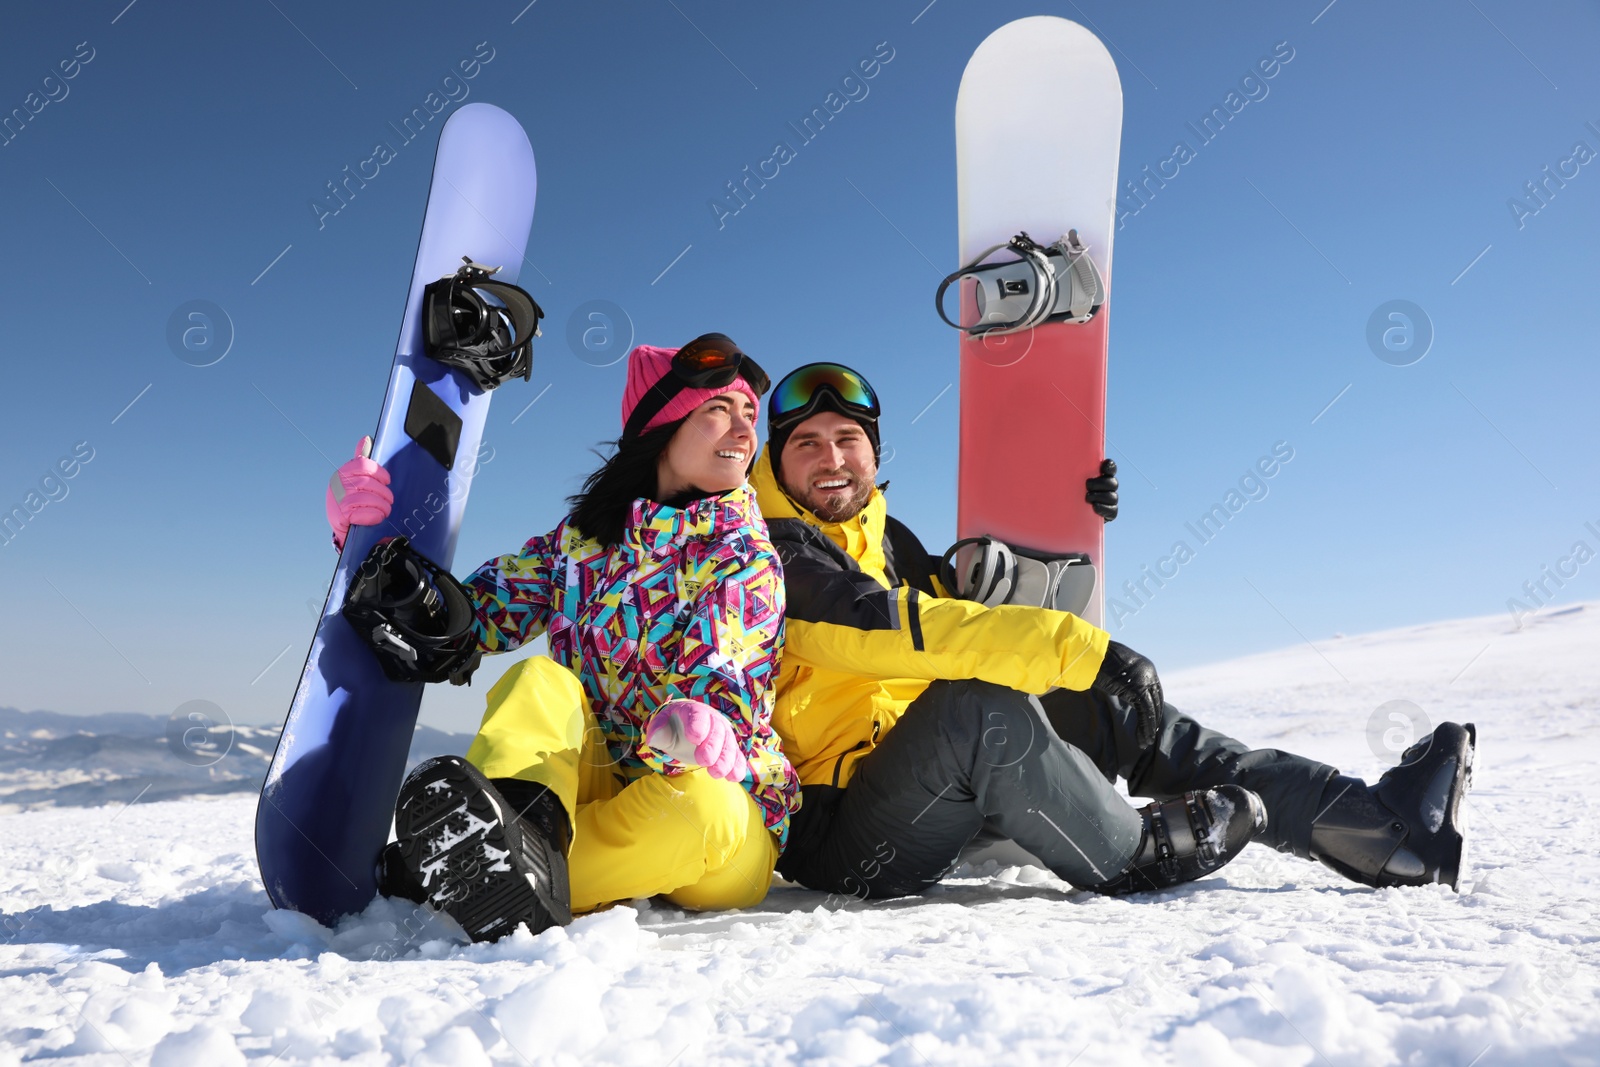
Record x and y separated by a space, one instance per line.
52 760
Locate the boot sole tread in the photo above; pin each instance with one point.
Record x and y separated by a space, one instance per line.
482 901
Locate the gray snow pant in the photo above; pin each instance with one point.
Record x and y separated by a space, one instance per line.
1188 756
971 757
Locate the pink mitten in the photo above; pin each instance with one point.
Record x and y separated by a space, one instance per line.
358 493
697 735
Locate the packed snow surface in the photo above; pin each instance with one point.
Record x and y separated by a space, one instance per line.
140 935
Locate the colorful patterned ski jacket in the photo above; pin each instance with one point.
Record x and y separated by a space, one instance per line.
689 604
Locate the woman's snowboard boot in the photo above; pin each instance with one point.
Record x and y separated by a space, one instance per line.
1409 828
1189 837
491 855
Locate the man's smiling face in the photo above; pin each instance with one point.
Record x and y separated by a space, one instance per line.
827 466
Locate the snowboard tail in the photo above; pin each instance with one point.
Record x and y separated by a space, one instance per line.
329 795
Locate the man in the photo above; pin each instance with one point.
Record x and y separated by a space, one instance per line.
916 719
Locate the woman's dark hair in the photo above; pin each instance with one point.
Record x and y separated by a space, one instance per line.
601 508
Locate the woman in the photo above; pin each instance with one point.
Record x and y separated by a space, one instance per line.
638 759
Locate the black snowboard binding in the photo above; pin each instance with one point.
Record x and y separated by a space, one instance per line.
490 343
1189 837
415 616
1408 829
462 847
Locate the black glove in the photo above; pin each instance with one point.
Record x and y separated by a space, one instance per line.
1102 491
1132 679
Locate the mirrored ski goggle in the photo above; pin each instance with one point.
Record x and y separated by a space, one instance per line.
797 395
710 361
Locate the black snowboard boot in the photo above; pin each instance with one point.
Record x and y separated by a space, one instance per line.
395 879
529 800
1407 829
463 848
1190 837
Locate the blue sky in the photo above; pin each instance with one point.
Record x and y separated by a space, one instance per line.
182 160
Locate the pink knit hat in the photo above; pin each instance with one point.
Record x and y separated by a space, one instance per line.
647 366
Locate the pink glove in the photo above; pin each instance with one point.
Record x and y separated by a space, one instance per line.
358 493
697 735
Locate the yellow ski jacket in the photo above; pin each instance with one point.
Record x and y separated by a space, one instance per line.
869 626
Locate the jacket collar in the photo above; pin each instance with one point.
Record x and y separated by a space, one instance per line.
653 526
860 537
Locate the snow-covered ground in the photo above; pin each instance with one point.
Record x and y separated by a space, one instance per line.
134 935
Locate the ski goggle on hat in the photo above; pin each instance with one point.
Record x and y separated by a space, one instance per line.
803 392
710 361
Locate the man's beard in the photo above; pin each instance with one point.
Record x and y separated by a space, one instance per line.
846 508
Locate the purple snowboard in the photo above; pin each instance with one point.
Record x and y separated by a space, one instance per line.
326 806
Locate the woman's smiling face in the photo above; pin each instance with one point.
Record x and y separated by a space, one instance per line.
711 451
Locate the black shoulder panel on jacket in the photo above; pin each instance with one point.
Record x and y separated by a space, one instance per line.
907 558
792 536
824 585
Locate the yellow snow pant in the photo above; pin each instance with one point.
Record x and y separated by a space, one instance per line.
698 840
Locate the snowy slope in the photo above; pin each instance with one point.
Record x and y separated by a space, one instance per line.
139 935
